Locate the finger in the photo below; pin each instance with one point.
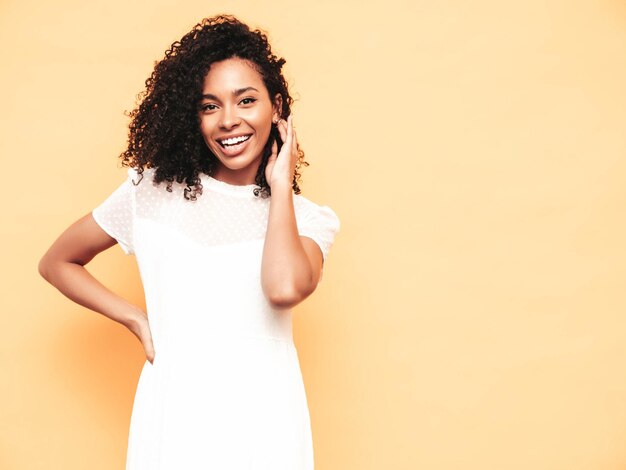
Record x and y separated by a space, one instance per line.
294 144
150 351
293 130
290 129
282 129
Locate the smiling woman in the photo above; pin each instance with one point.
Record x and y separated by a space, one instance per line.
236 116
221 387
220 78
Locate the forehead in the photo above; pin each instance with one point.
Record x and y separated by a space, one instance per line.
230 74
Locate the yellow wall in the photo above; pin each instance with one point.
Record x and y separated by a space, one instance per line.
472 310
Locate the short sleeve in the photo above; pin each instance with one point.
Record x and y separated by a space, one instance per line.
116 214
321 224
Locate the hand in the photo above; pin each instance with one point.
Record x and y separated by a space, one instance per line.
140 327
281 168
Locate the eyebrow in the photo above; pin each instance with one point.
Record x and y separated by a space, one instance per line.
236 92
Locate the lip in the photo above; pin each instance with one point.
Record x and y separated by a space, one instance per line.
234 150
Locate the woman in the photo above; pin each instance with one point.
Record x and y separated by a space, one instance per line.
225 246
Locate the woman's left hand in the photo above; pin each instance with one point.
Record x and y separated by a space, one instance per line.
281 167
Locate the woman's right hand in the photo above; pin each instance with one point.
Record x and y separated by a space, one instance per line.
63 266
138 324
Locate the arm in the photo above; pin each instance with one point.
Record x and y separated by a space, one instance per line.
63 266
291 265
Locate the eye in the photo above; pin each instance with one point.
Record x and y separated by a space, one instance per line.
252 100
207 107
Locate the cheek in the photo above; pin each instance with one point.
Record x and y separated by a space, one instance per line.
206 129
203 126
264 125
263 134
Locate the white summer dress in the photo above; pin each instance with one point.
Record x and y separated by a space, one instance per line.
225 390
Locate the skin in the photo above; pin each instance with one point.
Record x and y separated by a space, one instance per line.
291 265
223 114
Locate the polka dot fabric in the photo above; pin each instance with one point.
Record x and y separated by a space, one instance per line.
225 390
116 215
223 214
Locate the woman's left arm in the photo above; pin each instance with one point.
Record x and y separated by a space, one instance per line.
291 264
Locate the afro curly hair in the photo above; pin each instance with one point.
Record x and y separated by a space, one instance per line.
164 132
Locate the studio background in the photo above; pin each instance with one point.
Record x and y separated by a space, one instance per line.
472 312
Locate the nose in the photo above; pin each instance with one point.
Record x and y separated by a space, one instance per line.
229 118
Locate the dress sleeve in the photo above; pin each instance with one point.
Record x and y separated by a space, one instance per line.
116 214
321 224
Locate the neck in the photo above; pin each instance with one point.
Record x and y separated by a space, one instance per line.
242 177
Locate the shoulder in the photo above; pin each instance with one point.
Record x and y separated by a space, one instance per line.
312 212
143 182
316 221
303 201
305 204
136 177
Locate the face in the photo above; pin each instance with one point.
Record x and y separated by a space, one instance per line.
235 118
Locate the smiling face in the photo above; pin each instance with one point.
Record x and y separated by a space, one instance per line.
236 118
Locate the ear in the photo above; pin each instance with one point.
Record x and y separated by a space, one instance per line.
278 106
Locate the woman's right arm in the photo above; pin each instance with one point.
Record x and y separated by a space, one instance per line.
63 266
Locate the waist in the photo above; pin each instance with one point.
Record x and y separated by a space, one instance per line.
176 329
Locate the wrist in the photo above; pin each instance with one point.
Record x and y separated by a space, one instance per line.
281 188
132 316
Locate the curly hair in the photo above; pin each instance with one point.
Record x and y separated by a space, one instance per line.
164 132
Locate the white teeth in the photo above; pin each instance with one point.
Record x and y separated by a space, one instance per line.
235 140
